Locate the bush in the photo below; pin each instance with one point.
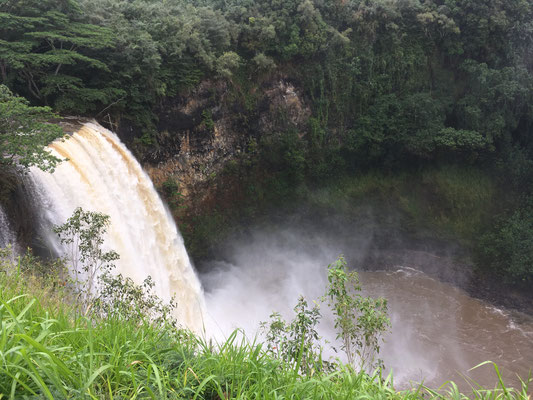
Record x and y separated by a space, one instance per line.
297 342
508 248
83 234
360 321
122 299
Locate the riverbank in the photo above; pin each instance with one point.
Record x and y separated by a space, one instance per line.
52 350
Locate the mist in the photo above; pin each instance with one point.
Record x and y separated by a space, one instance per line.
438 331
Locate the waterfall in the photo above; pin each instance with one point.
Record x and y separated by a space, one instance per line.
100 174
7 237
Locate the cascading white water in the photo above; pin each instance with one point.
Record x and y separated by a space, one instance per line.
102 175
7 236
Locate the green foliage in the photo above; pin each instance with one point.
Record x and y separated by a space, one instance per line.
285 153
446 202
83 235
53 271
24 133
207 120
227 63
120 298
297 342
360 321
99 291
172 194
460 200
43 44
391 85
159 50
263 63
50 352
508 248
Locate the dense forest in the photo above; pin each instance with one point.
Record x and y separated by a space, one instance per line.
393 85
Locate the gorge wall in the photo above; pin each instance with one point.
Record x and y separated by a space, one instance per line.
203 131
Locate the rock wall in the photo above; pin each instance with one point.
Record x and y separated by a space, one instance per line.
200 133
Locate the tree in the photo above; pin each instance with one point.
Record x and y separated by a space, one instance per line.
42 42
227 63
117 296
360 321
25 131
83 234
296 342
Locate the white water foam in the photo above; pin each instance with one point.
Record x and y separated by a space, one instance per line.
102 175
7 236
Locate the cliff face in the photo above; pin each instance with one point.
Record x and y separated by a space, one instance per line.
200 133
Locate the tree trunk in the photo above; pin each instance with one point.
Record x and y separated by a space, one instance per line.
3 71
32 86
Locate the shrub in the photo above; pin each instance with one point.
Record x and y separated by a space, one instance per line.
360 321
508 248
296 342
83 234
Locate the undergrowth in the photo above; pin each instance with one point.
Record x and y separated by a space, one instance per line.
446 202
48 350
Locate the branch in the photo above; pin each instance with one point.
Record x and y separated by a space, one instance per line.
111 105
32 86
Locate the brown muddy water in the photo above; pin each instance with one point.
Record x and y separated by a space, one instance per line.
438 331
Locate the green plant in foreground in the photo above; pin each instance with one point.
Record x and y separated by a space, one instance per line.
128 347
296 342
450 390
119 297
360 321
83 234
48 351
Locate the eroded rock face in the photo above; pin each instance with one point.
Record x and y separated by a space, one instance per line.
203 131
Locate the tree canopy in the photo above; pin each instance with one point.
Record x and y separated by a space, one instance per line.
390 84
46 48
396 81
24 133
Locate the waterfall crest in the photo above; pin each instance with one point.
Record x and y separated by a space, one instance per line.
102 175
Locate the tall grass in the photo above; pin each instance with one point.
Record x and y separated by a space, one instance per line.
49 351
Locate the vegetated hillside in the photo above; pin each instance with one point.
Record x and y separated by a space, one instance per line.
265 100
